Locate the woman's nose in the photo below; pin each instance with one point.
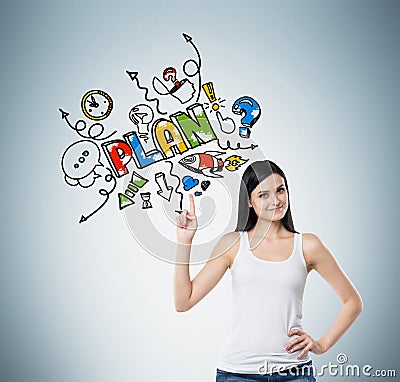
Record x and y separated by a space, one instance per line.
275 199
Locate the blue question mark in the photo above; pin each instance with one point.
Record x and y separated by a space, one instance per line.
251 110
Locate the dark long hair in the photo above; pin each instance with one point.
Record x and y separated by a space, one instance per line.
254 174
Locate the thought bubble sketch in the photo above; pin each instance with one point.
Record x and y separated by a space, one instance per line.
79 162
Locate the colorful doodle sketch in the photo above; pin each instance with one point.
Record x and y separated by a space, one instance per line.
161 153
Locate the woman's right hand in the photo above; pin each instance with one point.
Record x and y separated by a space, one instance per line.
186 224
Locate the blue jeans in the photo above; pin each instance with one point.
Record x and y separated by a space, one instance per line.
294 374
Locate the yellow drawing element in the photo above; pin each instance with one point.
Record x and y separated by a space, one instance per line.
169 138
209 90
234 162
96 104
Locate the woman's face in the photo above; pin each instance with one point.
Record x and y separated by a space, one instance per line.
270 198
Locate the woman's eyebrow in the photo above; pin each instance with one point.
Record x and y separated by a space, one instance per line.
261 191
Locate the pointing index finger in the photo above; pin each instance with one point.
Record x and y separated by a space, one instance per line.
192 206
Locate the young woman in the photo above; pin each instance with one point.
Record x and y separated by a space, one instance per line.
269 263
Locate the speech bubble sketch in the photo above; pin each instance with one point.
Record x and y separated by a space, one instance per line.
94 131
79 162
134 78
195 149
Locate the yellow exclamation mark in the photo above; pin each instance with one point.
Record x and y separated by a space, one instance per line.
209 90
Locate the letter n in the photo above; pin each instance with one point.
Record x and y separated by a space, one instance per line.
195 126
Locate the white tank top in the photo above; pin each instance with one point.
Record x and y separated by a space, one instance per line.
267 303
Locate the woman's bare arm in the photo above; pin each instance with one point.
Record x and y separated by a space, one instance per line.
188 293
319 257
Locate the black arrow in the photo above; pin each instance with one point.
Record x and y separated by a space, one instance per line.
134 78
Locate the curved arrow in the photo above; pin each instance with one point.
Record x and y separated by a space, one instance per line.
189 40
134 77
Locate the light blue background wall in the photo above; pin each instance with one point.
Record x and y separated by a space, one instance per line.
85 302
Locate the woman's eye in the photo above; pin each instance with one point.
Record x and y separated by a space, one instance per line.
263 195
281 189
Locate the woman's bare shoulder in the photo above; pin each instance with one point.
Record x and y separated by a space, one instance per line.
311 240
312 247
228 246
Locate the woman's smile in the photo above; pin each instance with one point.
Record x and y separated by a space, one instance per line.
276 208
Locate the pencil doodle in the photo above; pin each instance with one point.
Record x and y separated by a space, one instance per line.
136 182
205 184
97 104
78 163
205 163
134 77
238 146
176 188
80 127
196 64
234 162
189 182
103 192
215 103
251 110
165 191
146 200
154 134
141 116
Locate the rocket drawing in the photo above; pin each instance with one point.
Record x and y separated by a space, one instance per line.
204 163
